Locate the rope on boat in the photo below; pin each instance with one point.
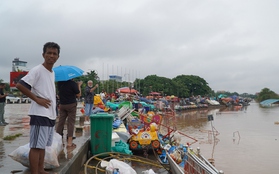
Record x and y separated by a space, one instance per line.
172 130
119 156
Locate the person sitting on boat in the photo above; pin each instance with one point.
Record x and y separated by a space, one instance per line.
103 96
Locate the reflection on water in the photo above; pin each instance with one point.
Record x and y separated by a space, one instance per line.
16 116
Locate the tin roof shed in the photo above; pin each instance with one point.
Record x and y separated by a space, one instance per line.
269 102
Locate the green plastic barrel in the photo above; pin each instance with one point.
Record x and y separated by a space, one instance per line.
101 132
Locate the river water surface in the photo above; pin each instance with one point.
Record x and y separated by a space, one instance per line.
246 141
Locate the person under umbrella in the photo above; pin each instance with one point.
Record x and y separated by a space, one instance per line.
68 91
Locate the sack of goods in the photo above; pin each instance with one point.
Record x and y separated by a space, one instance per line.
21 154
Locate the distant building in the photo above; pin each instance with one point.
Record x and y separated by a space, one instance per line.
19 70
115 77
19 66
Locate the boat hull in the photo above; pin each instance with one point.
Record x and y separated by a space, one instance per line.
174 167
193 165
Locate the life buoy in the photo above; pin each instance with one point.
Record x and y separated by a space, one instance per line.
133 145
155 144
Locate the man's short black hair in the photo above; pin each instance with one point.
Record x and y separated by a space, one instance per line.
51 45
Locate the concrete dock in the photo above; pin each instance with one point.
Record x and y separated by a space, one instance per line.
71 160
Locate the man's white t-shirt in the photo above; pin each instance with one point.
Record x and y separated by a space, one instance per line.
42 85
102 95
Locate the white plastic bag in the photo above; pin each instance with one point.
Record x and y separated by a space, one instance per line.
21 154
150 171
123 167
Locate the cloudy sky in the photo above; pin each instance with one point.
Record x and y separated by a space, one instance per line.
233 45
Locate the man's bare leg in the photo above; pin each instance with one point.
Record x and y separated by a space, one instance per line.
36 160
34 156
41 161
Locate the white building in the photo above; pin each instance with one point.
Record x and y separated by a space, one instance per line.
19 66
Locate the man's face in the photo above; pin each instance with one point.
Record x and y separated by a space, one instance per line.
51 55
90 84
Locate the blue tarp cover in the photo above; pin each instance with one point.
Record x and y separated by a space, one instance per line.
269 102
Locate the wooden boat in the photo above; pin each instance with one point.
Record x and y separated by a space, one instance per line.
182 158
192 163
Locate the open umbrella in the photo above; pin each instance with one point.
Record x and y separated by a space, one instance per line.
66 72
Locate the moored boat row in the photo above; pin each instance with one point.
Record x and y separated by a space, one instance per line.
143 127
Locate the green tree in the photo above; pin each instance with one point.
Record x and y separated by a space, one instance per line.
110 86
266 94
7 86
154 83
192 85
181 86
92 75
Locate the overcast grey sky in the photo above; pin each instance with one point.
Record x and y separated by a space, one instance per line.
233 45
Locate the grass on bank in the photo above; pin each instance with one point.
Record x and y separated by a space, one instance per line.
12 137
